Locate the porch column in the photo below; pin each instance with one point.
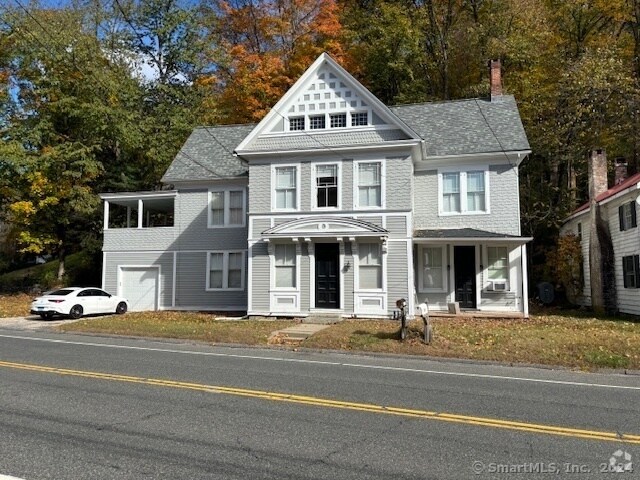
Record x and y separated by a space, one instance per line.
106 215
525 281
140 216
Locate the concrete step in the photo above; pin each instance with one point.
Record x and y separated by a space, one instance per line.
322 319
295 334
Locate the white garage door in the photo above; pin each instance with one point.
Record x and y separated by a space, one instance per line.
140 287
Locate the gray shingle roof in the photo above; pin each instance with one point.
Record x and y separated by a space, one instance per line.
208 154
323 140
459 233
466 126
448 128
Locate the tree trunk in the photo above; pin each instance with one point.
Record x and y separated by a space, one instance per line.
61 257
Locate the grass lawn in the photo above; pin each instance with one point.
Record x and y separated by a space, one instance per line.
568 338
185 325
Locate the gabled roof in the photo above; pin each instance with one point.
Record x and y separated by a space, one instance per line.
208 155
332 81
628 183
463 127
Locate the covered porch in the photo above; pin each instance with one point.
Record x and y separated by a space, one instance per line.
483 273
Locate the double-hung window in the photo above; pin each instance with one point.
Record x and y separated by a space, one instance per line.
498 264
225 270
285 263
227 208
627 216
286 184
464 192
370 266
326 186
432 275
369 181
631 271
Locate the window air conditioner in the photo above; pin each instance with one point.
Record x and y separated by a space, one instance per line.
498 286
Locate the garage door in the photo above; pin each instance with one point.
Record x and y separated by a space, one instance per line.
140 287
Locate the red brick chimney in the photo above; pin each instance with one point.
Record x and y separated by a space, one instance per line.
495 79
621 170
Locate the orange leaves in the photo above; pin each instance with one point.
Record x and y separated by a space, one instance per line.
265 47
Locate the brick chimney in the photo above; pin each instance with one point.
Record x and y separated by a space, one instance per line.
621 170
601 255
495 79
597 173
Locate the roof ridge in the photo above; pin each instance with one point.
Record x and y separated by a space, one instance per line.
442 102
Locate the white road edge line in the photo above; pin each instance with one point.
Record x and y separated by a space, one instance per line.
319 362
7 477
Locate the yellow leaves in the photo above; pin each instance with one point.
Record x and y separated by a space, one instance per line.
22 209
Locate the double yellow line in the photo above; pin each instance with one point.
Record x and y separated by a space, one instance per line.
323 402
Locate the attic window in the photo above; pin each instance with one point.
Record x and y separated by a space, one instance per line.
296 123
338 120
316 122
359 119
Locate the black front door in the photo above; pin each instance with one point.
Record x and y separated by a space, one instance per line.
465 273
327 275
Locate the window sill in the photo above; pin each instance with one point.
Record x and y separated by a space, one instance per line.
460 214
239 225
224 289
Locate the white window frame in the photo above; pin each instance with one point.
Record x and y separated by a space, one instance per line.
443 287
487 266
272 262
383 186
383 267
273 187
357 112
227 195
462 175
314 185
225 271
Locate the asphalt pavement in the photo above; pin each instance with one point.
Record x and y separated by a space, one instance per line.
76 407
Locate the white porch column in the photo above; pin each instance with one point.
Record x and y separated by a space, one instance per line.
140 216
525 281
128 217
106 215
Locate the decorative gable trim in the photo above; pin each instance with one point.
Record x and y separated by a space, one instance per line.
325 227
278 112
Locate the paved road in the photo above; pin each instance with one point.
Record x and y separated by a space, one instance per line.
171 410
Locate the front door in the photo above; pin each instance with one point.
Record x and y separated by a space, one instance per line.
465 274
327 275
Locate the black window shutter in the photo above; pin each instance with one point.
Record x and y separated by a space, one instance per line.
636 264
624 271
621 216
632 205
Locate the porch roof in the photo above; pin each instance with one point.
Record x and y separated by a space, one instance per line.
467 234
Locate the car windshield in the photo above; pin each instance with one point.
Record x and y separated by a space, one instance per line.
61 292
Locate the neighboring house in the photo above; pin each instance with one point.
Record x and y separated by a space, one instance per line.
333 203
616 273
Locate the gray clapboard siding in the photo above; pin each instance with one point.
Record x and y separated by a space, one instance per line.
138 239
348 278
397 226
113 260
260 188
305 186
259 225
191 284
347 184
194 231
498 300
260 275
397 273
305 279
504 203
399 171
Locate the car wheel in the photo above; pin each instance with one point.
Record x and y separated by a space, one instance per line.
42 315
48 315
76 311
121 308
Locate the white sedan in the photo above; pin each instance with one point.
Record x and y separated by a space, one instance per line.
76 302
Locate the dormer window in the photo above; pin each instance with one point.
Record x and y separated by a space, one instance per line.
338 120
296 123
316 122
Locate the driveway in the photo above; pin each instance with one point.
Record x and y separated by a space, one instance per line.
32 322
